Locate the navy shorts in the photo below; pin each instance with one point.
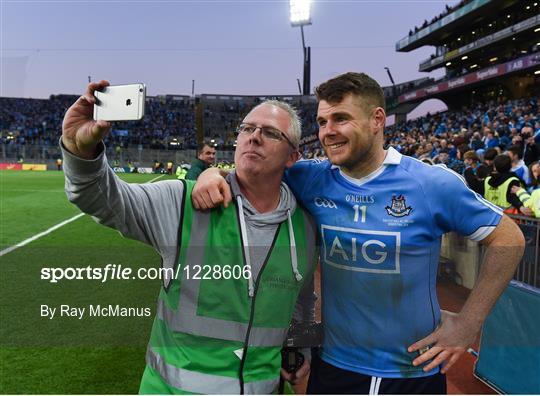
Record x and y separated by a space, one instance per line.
327 379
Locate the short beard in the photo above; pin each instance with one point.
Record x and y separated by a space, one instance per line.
357 158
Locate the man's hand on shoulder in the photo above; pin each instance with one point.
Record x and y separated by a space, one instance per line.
211 190
80 133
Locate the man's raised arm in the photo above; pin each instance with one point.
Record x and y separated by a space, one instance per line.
146 212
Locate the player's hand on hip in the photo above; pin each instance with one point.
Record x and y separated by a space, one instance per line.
80 133
447 343
211 190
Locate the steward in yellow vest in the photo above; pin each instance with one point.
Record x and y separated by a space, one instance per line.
181 172
498 186
531 201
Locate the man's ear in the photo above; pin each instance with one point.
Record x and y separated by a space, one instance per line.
378 119
293 157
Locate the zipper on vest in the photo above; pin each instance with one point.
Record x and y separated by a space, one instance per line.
252 311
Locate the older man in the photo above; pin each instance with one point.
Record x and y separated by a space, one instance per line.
222 334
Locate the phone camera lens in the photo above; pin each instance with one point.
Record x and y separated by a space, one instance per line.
140 89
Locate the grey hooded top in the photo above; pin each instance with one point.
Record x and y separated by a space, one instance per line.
151 213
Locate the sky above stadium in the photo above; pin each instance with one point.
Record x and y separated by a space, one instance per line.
227 47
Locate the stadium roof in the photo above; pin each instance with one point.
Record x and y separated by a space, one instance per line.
436 32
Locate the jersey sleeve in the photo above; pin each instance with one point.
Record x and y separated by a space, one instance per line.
455 207
301 174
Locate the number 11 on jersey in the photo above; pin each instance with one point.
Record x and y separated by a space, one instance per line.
357 210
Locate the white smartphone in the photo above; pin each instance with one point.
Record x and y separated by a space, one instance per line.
120 102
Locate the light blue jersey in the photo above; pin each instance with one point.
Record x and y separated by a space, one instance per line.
380 239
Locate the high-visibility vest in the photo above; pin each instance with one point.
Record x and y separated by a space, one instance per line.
531 201
209 335
181 173
497 195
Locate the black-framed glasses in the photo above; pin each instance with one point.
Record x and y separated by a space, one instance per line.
267 132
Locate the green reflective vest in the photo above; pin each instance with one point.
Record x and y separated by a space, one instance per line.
209 336
531 201
497 195
181 173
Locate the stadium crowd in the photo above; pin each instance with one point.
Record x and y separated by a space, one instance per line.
466 141
39 121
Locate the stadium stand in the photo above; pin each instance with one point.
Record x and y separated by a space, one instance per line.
37 122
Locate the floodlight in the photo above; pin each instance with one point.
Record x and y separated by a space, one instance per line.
300 12
300 16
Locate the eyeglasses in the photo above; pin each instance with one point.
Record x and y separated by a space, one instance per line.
267 132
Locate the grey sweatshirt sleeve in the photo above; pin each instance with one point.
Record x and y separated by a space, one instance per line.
149 212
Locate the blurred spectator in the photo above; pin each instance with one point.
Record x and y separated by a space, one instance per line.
534 172
471 162
531 150
518 166
206 157
491 140
476 142
498 187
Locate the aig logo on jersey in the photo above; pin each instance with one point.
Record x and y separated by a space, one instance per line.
361 250
325 203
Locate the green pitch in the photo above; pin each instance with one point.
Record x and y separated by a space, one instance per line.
67 354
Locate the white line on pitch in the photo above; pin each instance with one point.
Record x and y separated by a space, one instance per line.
53 228
37 236
155 178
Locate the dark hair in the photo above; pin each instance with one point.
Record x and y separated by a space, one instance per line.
359 84
483 171
490 154
463 148
502 163
516 150
205 142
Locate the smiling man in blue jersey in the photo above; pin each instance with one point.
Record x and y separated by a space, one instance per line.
381 216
